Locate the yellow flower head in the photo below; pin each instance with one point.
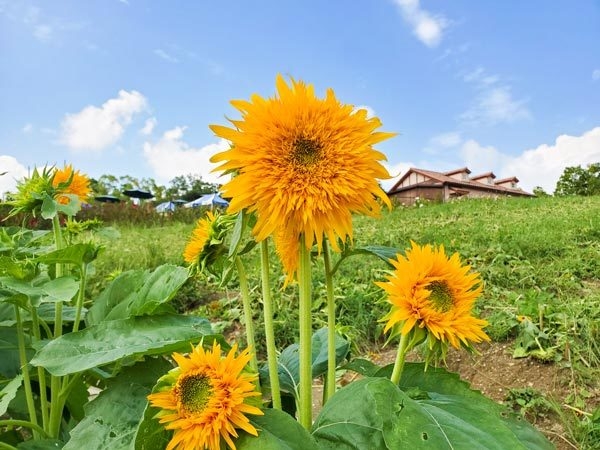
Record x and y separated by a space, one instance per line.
287 247
207 241
303 163
430 291
205 398
66 181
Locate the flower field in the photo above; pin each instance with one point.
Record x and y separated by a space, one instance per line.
214 335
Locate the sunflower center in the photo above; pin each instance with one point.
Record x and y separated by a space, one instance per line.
305 152
194 392
440 296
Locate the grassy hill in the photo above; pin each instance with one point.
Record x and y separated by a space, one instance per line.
539 259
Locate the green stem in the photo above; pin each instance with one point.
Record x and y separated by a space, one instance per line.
247 311
400 357
56 406
40 370
331 363
80 297
269 330
24 423
304 280
25 370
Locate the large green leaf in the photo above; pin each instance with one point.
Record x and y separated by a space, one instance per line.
137 292
60 289
113 340
276 431
9 392
383 253
10 364
112 419
289 362
77 254
374 413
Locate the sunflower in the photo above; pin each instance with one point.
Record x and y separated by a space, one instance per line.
205 398
431 291
287 247
30 192
303 164
66 181
200 239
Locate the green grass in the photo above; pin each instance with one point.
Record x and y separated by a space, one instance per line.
539 258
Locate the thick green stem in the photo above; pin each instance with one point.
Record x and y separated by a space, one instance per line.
56 405
331 363
247 311
25 370
35 322
80 297
304 280
269 330
24 423
400 357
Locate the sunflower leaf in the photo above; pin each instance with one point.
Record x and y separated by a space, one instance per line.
289 362
276 431
375 413
114 340
113 418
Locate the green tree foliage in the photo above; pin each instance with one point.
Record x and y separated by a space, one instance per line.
189 187
579 181
539 191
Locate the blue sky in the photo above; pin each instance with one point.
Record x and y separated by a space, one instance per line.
129 87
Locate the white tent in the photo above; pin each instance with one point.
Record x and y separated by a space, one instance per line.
207 200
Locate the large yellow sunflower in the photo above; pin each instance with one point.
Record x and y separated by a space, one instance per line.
204 399
79 185
303 163
434 292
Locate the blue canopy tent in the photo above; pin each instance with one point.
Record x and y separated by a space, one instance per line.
169 206
211 200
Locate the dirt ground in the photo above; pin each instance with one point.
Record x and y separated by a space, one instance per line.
495 372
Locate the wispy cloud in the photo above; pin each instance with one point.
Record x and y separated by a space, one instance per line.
149 126
370 111
494 102
14 171
95 128
166 56
428 28
596 75
27 128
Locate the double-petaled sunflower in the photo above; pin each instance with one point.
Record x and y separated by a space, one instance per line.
205 399
67 181
207 242
432 291
303 164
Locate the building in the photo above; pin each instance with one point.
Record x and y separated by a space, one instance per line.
459 183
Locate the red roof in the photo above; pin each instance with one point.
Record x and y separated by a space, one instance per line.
439 178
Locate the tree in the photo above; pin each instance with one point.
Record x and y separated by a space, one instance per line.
189 187
539 191
579 181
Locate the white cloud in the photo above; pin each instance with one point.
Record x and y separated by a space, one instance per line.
427 27
28 128
166 56
540 166
149 126
496 105
446 140
370 111
543 165
14 172
171 156
596 75
95 128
